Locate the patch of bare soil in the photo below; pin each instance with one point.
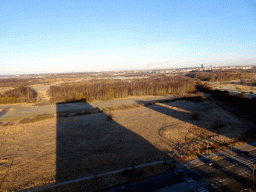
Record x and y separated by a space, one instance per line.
65 148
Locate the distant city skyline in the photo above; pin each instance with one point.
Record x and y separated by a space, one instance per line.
84 36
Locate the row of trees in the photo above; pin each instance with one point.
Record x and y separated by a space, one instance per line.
18 82
221 76
18 95
158 85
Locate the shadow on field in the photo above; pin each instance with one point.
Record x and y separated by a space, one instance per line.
203 118
91 142
4 111
203 115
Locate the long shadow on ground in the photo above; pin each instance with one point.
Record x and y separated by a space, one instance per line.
4 111
203 115
93 143
184 111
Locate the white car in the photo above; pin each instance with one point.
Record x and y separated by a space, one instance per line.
211 162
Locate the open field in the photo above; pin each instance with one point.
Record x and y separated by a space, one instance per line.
60 149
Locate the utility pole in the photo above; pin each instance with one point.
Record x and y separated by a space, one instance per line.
253 174
232 146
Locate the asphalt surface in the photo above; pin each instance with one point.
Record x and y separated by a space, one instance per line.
233 173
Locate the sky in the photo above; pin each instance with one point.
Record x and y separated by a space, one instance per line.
59 36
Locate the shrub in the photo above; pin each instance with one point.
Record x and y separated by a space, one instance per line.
26 92
5 100
191 89
25 120
217 125
36 118
195 116
138 173
251 133
126 173
242 95
151 168
109 116
132 173
8 123
111 94
195 98
217 146
21 100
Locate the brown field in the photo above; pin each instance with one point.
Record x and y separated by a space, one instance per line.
60 149
236 88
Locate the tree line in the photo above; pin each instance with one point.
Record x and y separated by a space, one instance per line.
104 90
18 95
220 76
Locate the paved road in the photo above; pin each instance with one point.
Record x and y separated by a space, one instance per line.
233 173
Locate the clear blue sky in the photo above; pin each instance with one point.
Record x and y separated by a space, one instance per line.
91 35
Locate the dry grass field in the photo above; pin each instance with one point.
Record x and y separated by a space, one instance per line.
236 88
64 148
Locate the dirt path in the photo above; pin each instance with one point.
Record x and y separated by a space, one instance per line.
42 96
20 111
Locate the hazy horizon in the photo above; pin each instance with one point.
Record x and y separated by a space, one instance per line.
60 36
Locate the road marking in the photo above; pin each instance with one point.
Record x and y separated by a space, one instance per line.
188 179
202 190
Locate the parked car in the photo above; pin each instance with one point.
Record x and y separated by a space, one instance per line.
126 189
211 162
243 153
179 173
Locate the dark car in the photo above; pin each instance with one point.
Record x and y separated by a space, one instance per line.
211 162
243 153
126 189
253 188
179 173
